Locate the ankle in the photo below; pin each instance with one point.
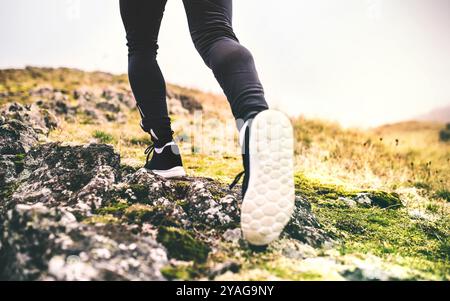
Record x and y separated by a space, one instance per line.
160 139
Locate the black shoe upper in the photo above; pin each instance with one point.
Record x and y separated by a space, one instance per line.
245 160
163 154
168 158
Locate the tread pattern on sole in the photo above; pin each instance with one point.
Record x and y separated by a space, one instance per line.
270 198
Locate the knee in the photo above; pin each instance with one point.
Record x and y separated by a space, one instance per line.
230 56
138 45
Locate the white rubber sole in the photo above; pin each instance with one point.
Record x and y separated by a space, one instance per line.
270 198
177 171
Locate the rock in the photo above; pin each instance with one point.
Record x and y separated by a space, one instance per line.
85 94
296 250
420 214
363 199
45 91
188 102
109 106
41 120
41 243
212 204
304 226
380 199
222 268
233 235
348 202
124 97
10 167
16 137
78 177
58 107
176 107
372 268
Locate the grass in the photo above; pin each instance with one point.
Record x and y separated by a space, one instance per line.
103 137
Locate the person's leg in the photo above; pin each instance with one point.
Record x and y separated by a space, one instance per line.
267 155
210 24
142 20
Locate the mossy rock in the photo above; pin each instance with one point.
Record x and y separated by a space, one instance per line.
19 162
101 219
384 199
115 208
182 245
183 272
6 191
140 191
139 213
316 191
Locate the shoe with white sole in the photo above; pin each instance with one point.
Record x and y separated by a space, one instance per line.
268 187
165 158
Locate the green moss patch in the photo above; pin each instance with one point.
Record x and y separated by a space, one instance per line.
183 272
139 213
391 235
115 208
101 219
182 245
316 191
19 162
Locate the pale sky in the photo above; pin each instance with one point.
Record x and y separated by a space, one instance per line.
359 62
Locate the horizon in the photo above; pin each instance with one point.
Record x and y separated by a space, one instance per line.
362 64
417 118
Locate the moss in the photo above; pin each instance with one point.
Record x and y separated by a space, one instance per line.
19 162
176 273
6 191
181 188
127 169
116 208
288 274
390 234
184 272
316 191
140 191
350 226
384 199
139 213
182 245
101 219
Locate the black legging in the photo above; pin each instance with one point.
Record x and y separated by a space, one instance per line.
210 24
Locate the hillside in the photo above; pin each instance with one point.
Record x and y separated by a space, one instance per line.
441 114
74 203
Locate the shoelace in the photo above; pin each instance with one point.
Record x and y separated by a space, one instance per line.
148 151
237 179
